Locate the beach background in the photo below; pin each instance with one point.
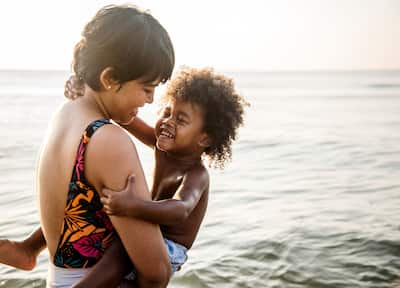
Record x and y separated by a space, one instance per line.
311 198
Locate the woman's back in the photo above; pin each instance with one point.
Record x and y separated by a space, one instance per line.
56 164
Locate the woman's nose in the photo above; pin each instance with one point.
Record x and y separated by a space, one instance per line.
150 97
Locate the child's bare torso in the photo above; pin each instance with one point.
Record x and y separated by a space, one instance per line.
168 175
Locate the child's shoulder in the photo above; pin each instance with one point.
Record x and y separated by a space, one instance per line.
199 172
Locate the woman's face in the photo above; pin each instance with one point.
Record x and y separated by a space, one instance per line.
129 98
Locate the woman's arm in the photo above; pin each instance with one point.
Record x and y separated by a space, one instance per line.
166 212
142 131
110 158
113 266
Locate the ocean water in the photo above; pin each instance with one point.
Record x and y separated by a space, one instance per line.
311 198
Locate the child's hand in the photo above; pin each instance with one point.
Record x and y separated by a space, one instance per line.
120 202
73 88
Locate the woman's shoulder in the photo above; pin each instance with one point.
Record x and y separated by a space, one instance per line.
111 156
110 139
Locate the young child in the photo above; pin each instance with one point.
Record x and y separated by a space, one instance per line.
200 117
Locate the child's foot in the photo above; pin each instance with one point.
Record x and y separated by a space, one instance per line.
16 254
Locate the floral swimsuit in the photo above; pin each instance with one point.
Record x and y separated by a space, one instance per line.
87 230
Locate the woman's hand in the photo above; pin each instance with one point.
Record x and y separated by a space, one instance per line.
121 203
73 88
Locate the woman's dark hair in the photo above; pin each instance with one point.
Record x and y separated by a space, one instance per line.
222 107
130 41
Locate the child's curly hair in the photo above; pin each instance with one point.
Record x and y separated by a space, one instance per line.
222 106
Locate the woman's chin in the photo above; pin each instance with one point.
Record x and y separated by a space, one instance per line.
128 122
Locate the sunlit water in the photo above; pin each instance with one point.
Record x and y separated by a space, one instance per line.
311 198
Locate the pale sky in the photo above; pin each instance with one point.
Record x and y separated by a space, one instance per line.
259 35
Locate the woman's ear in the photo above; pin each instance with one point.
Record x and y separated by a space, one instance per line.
107 79
204 141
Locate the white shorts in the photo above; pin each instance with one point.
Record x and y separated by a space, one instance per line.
58 277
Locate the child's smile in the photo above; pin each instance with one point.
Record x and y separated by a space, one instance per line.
165 132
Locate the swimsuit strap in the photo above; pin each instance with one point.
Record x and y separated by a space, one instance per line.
78 173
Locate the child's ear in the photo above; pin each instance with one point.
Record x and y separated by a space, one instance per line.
204 141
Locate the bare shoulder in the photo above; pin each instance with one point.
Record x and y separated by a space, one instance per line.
111 157
198 174
199 170
67 110
112 142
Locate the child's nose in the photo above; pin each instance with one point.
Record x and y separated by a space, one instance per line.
170 121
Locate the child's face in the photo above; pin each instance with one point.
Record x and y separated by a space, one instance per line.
179 129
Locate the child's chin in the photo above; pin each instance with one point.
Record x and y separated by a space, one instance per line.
162 147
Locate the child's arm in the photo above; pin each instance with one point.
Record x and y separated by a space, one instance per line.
142 131
166 212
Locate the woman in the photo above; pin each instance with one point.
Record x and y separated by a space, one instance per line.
123 55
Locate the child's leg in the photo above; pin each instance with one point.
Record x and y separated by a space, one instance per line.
110 270
127 284
22 254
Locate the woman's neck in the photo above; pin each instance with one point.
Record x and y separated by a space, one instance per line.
93 100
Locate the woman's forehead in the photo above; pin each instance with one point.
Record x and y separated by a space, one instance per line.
153 83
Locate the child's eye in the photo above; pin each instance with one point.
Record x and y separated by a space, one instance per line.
181 120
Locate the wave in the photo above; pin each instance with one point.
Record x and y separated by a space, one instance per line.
302 258
22 283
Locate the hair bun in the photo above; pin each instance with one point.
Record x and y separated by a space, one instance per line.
79 49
